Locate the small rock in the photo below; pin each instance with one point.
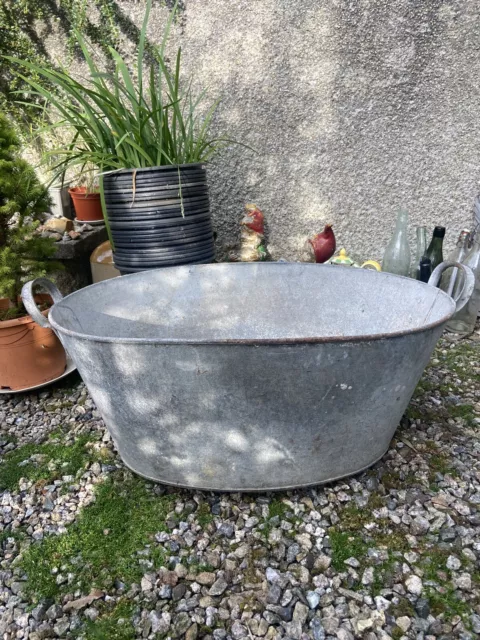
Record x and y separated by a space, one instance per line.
313 599
181 570
274 593
318 631
301 573
272 575
218 587
169 577
48 504
414 585
292 552
91 613
226 529
17 587
330 625
453 563
58 225
404 623
344 634
192 632
363 624
422 608
61 627
159 624
352 562
54 612
205 578
304 541
165 592
284 613
368 577
146 584
242 551
300 613
475 621
182 622
293 630
38 613
238 630
81 603
322 563
44 630
382 603
419 526
178 592
463 582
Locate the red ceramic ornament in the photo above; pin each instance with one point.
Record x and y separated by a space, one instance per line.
323 244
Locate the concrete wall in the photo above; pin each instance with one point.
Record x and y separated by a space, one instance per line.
355 108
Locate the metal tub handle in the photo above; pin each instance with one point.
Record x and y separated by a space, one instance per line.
29 299
465 294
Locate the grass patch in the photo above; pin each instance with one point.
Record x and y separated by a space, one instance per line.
434 562
464 411
100 546
115 624
443 599
345 545
403 608
276 509
53 460
457 360
204 514
440 463
448 603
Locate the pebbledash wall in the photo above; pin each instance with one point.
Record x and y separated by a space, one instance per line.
354 107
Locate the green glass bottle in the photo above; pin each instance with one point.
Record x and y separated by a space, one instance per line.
435 248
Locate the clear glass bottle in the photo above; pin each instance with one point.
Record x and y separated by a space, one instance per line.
462 247
397 254
421 248
435 248
464 321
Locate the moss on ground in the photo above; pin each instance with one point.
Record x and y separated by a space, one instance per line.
101 546
204 514
277 508
344 545
113 623
50 461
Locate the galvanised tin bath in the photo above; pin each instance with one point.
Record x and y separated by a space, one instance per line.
253 376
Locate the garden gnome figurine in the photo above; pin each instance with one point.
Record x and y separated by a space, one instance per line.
322 245
252 240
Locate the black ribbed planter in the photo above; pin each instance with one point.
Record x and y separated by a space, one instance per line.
159 217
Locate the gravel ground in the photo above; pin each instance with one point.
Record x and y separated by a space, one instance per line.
90 551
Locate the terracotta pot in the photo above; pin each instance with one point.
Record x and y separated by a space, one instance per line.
29 354
88 206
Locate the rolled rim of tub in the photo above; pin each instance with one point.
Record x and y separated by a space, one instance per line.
438 305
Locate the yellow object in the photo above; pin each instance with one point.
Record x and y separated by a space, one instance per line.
344 259
372 264
101 263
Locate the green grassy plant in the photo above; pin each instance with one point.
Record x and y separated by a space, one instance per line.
123 120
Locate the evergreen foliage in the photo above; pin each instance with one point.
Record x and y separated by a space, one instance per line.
24 255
